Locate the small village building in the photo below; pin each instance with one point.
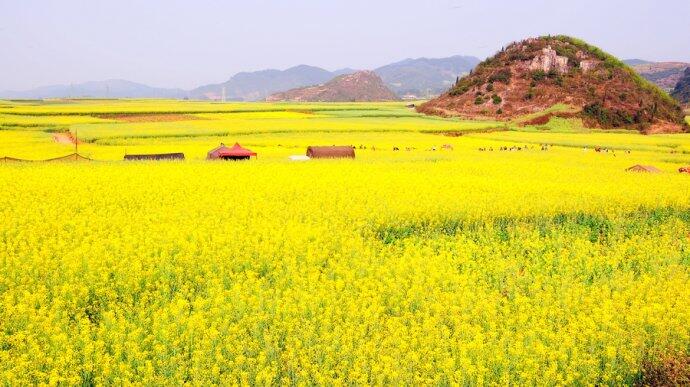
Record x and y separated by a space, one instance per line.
331 152
236 152
684 169
644 169
155 157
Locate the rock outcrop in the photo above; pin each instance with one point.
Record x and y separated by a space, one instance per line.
549 61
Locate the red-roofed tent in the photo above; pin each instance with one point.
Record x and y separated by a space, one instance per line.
236 152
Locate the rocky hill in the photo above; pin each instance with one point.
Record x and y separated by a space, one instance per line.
533 75
682 90
362 86
664 74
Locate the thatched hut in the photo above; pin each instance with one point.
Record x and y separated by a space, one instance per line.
331 152
71 157
644 169
12 159
236 152
156 157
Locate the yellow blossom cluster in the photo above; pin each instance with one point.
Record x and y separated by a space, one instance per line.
469 268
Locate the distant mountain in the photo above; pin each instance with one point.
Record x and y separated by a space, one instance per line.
664 74
362 86
419 77
682 90
636 62
254 86
424 76
112 88
344 71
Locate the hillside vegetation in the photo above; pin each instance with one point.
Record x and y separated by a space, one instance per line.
535 74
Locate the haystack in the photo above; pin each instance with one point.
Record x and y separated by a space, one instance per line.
156 156
331 152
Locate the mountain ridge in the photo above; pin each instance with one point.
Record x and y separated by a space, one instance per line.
682 90
664 74
425 76
109 88
419 77
258 85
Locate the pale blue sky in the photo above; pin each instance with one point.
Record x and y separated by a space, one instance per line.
173 43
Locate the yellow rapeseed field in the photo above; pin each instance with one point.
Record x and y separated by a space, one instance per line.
419 266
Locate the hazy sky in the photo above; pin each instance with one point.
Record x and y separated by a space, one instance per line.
174 43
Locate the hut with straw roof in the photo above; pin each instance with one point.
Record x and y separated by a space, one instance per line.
156 156
331 152
71 157
644 169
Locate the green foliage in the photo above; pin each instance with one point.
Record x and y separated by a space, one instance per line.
612 117
502 76
465 84
496 99
479 100
538 75
519 56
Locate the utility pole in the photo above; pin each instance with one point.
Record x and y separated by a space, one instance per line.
76 142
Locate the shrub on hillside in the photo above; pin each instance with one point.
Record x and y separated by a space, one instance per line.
538 75
502 76
612 117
